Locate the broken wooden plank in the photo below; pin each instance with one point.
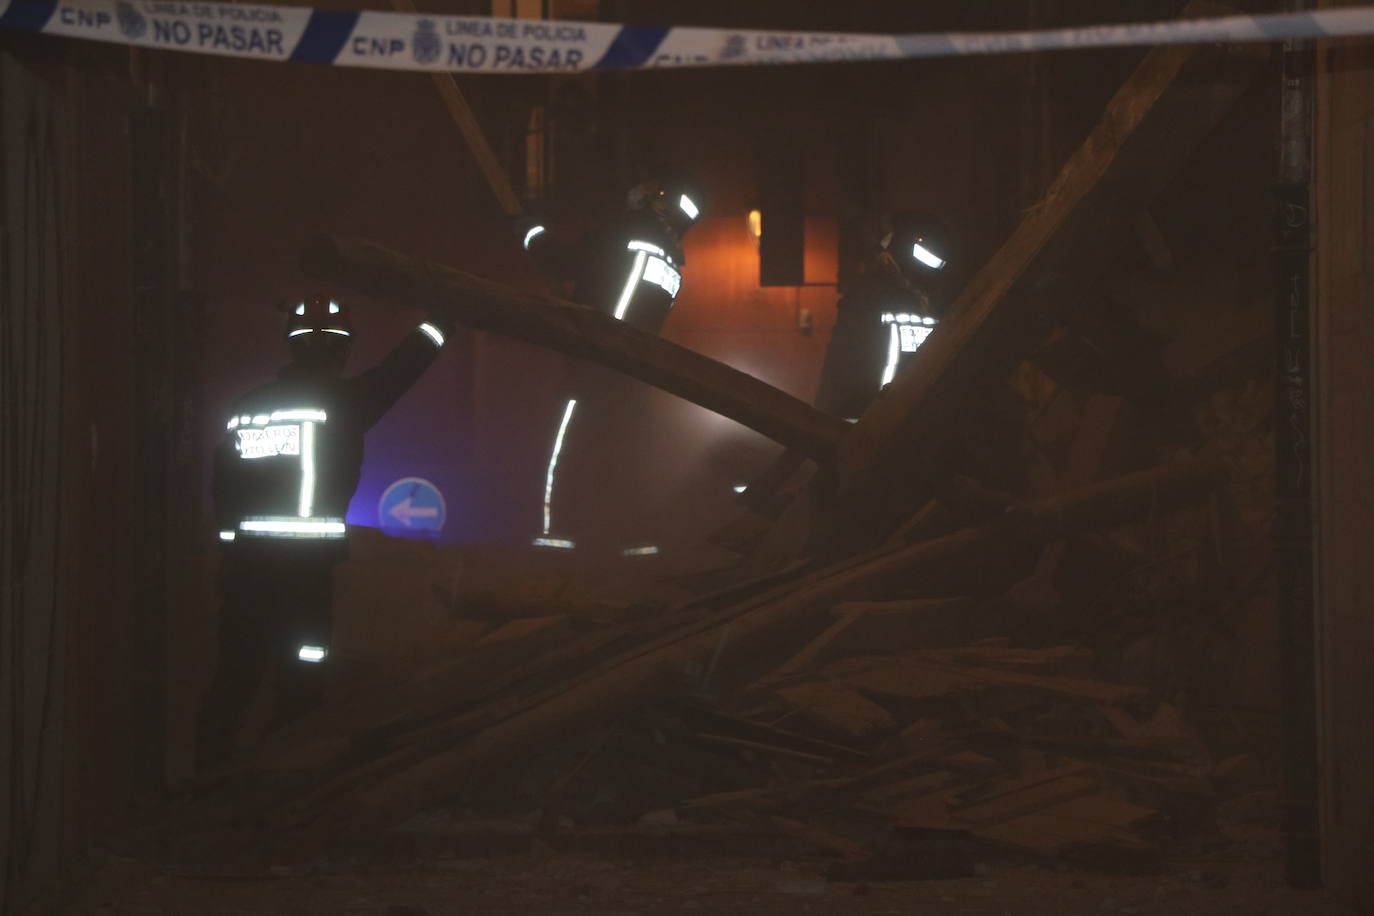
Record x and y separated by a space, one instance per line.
931 520
528 635
698 715
1013 798
1073 823
972 501
916 678
909 788
839 710
895 455
762 798
929 810
577 331
903 607
888 678
820 649
771 797
759 747
1027 801
1059 658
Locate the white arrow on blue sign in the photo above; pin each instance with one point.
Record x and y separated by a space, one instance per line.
412 504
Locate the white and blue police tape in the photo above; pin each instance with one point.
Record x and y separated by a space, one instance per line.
405 41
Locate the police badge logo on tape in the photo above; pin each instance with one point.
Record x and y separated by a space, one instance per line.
424 44
131 21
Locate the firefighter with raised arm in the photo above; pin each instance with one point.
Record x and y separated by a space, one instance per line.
885 316
630 268
283 474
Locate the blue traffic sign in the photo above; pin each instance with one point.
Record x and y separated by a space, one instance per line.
412 504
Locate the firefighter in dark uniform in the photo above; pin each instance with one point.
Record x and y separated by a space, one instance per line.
885 316
630 268
283 475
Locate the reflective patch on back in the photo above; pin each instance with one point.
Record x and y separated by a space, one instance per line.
269 441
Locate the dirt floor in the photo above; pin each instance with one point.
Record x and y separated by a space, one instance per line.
1238 875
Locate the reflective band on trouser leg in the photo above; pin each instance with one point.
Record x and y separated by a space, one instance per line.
562 543
553 464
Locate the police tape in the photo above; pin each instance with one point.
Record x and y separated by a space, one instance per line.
406 41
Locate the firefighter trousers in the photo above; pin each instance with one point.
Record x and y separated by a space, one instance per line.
275 620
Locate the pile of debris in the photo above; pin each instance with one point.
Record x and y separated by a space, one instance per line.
824 707
904 764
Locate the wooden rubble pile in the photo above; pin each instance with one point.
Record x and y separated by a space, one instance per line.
896 759
926 649
820 711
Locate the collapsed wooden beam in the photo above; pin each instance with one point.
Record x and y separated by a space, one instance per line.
579 332
740 646
891 462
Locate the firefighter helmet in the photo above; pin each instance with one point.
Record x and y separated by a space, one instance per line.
673 195
318 326
917 242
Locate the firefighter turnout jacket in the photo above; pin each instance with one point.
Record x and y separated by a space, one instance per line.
292 452
630 268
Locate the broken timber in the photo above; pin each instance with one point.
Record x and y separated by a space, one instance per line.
378 793
893 458
577 331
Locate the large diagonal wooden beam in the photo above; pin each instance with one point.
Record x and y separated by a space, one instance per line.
580 332
892 460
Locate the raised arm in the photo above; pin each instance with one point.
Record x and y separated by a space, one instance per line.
381 386
558 257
